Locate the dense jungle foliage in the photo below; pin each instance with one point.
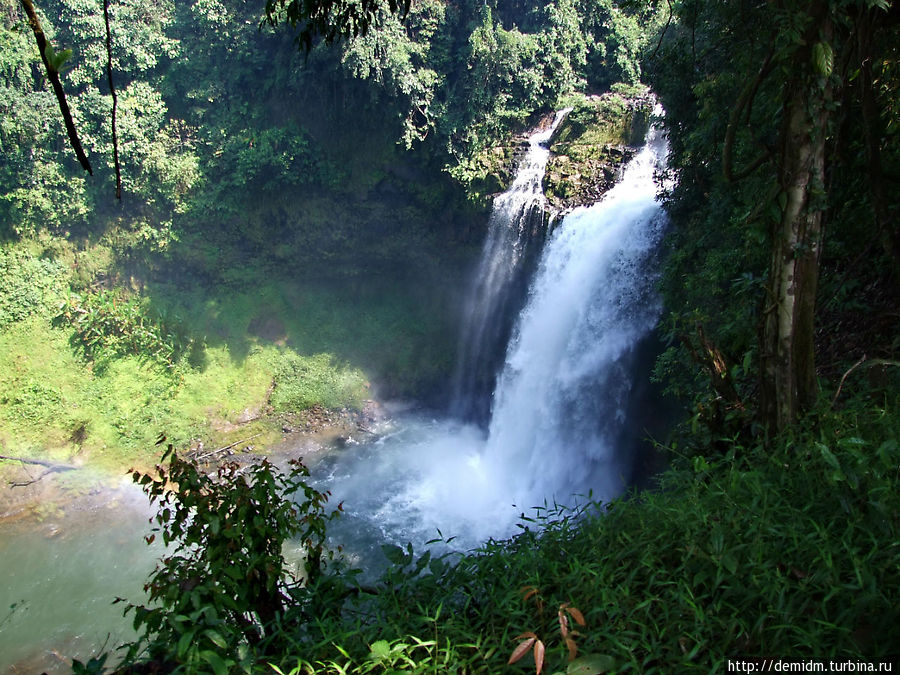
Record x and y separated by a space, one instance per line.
282 212
279 207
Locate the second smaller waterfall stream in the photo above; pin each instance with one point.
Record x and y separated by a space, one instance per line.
561 405
514 234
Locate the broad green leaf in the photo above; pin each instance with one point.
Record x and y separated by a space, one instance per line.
730 563
591 664
380 650
823 58
215 661
183 643
215 638
829 457
394 554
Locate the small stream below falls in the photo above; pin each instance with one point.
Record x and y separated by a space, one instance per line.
561 409
61 574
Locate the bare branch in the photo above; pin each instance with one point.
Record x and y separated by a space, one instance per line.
53 76
862 362
666 28
211 453
40 462
52 467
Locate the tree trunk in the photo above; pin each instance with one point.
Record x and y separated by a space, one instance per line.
788 373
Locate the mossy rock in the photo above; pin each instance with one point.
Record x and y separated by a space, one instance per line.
592 145
490 172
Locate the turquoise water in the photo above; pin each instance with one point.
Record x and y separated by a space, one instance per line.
60 576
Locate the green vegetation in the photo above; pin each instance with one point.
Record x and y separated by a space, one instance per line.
293 234
244 367
28 285
109 324
760 551
290 221
589 147
53 404
219 590
751 347
302 383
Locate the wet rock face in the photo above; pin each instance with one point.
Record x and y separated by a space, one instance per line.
573 182
588 151
591 146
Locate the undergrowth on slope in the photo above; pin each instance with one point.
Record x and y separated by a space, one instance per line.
99 372
788 550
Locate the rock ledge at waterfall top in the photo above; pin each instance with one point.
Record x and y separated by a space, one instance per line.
592 145
588 150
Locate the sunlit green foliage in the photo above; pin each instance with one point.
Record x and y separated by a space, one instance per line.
615 38
225 370
301 383
28 285
251 170
225 129
402 59
223 584
108 324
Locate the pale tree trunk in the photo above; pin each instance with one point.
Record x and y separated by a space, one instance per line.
788 351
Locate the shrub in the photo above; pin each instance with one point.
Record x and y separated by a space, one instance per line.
28 285
109 324
217 596
305 381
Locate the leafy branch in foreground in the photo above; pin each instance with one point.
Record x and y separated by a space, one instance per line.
218 597
330 19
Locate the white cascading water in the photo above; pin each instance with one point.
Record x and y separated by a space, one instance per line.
517 223
561 401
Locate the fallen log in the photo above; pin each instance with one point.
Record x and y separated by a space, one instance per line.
52 467
56 466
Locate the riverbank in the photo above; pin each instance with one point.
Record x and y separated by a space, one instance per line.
39 493
72 536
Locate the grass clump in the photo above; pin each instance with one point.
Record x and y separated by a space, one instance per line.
303 382
28 285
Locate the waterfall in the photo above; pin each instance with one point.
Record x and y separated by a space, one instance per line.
561 404
515 232
561 401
